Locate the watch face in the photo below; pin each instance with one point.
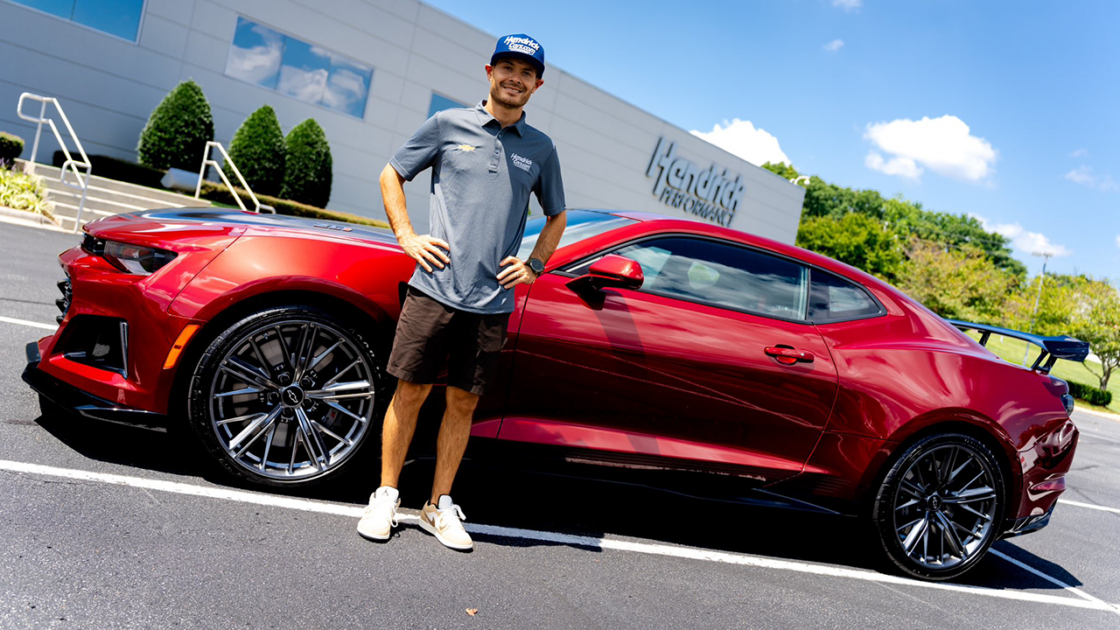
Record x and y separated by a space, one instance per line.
536 265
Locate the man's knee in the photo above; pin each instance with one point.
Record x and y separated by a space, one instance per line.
461 402
410 396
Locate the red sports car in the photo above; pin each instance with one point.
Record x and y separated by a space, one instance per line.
663 351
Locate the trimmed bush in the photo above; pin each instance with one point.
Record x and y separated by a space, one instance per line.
1090 394
308 172
20 191
11 147
258 151
221 194
121 170
178 130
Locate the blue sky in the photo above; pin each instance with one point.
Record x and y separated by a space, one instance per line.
1009 111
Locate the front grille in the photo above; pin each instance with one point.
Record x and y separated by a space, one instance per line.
63 303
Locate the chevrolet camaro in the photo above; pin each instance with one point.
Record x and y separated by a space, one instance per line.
656 350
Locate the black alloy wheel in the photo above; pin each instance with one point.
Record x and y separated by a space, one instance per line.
940 506
287 396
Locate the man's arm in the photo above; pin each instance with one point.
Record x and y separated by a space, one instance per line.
517 272
423 249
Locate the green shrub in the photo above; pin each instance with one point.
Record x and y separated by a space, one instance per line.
11 147
120 170
221 194
308 172
20 191
178 130
1090 394
258 151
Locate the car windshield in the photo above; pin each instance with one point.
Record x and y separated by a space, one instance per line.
582 224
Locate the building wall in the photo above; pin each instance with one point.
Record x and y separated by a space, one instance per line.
109 87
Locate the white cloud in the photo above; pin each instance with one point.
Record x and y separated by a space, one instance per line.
943 145
834 45
1024 241
847 5
306 85
1085 176
740 137
1079 153
901 166
259 63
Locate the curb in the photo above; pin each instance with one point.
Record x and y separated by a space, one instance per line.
1094 412
28 219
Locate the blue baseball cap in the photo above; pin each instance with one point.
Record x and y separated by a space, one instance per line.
523 47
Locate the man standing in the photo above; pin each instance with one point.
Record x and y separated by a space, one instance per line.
485 161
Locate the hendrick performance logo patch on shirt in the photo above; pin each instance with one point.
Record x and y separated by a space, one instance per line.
522 163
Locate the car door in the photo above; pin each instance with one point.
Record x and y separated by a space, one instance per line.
686 372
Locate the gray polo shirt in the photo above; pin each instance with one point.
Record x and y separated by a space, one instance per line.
482 176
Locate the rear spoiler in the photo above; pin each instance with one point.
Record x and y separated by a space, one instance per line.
1055 348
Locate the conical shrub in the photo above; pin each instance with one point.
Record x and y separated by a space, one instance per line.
178 130
258 151
308 172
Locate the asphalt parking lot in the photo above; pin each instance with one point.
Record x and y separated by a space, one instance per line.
107 526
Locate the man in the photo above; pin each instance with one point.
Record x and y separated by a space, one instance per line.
485 161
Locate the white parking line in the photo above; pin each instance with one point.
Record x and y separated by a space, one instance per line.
1082 601
1089 505
24 322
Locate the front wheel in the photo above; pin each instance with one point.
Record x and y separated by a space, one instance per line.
286 396
940 506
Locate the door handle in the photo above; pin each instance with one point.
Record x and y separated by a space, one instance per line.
789 356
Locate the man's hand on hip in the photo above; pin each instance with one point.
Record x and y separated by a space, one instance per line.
516 272
425 249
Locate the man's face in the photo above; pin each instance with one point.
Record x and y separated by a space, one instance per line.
512 82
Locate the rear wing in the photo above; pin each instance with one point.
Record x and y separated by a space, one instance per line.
1053 348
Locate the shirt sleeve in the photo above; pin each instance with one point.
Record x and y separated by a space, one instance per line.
550 186
420 151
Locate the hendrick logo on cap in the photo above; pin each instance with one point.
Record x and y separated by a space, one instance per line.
522 45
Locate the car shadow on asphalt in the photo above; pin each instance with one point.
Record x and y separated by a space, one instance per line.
579 507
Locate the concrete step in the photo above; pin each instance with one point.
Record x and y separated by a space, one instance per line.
107 188
128 202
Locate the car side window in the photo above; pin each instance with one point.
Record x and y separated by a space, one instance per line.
721 274
834 299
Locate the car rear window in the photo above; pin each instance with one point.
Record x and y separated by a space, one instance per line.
834 299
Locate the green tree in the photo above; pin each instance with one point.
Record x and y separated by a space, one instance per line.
856 239
955 283
258 150
308 173
781 169
1096 319
178 130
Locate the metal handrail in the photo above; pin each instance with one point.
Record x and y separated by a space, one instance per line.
206 161
81 184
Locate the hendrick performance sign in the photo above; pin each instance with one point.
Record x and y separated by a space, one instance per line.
708 193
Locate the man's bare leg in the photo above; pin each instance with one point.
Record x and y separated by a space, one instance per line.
454 431
400 424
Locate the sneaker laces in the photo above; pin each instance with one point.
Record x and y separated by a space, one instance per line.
450 515
383 503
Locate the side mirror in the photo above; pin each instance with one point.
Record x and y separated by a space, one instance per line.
610 271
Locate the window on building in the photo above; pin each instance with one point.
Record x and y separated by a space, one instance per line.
298 69
115 17
440 103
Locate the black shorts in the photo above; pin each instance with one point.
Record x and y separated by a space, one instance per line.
431 335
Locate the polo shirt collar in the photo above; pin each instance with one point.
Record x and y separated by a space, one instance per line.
484 118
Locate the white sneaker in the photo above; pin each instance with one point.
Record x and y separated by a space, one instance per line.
380 517
443 522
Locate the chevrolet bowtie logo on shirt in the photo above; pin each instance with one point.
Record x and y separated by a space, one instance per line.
466 147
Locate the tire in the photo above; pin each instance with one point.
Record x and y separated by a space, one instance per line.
940 506
287 396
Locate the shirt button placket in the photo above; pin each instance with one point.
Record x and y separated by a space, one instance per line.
497 152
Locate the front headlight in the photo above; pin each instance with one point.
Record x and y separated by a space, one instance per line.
134 259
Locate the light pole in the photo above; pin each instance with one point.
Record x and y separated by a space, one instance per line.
1045 259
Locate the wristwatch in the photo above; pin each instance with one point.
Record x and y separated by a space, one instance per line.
536 264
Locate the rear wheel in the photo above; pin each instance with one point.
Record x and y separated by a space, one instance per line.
940 506
287 396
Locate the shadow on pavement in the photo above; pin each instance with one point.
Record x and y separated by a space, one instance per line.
574 506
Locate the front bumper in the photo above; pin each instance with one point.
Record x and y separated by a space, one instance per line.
83 403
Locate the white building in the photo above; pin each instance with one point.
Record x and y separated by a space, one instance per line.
370 72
